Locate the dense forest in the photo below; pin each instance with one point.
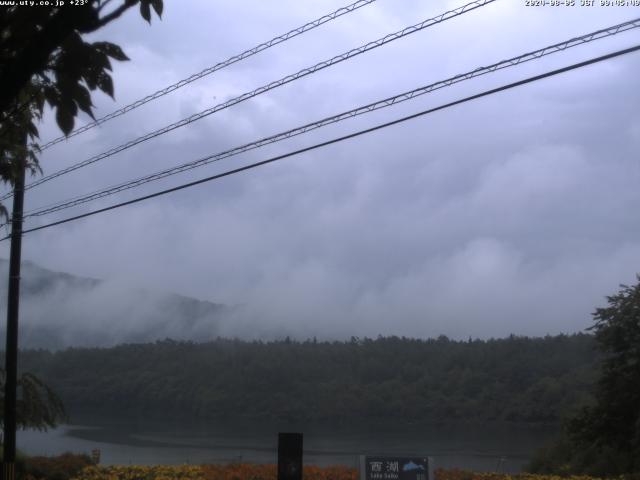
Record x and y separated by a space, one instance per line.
516 379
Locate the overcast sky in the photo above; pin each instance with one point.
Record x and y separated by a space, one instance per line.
516 213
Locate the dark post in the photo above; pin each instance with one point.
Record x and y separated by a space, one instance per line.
13 303
289 456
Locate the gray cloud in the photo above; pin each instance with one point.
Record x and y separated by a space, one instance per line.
512 214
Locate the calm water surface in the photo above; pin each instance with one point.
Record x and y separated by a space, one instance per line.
481 448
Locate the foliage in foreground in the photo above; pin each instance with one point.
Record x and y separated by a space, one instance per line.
456 474
44 60
209 472
79 467
37 406
564 457
264 472
604 439
61 467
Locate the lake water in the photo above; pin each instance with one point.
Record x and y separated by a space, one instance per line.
481 448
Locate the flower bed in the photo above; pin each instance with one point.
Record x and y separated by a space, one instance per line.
209 472
246 472
456 474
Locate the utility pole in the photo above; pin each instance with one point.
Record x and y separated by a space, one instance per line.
13 304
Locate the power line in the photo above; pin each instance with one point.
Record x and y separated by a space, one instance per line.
218 66
289 78
558 47
340 139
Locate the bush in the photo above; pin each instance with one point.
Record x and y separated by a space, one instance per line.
62 467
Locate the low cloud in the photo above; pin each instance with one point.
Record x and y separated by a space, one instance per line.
511 214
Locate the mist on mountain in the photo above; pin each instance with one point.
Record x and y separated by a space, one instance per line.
58 310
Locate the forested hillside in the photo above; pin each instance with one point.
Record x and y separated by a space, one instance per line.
530 380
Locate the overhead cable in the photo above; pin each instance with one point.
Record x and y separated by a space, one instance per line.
270 86
558 47
339 139
209 70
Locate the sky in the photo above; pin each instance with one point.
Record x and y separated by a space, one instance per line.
512 214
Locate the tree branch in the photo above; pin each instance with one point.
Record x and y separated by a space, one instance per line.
116 13
18 71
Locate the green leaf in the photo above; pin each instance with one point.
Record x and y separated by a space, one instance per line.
145 11
65 120
157 6
91 81
32 130
112 50
52 96
91 77
99 60
105 83
83 98
39 102
69 105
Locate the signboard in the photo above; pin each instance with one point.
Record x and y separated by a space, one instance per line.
394 468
